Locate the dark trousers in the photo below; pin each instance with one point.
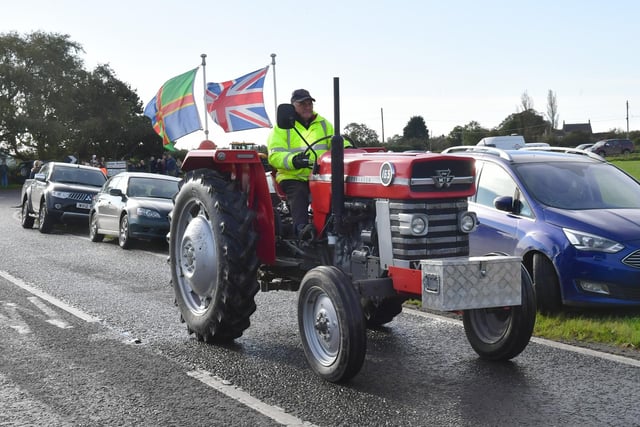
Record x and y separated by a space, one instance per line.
298 197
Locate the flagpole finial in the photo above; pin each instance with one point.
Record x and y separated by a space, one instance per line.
203 56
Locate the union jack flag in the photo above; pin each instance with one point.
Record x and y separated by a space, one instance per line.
238 104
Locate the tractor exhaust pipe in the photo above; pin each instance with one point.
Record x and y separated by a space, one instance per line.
337 162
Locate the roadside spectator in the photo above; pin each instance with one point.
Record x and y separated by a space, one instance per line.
35 169
152 164
4 173
170 165
160 165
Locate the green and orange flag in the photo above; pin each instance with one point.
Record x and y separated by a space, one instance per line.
172 111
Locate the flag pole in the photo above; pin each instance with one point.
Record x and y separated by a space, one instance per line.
204 84
275 92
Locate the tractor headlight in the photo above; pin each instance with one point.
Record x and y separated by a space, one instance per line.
418 225
413 224
467 222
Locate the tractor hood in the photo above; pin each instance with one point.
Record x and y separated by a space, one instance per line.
401 175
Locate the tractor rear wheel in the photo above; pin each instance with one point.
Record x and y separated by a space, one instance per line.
331 323
504 332
213 259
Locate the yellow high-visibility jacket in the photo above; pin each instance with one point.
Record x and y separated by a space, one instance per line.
285 144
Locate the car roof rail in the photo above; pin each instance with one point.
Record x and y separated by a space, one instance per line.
567 150
479 149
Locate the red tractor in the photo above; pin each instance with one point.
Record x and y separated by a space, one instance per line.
388 227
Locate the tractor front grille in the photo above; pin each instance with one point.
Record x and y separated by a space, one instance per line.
443 239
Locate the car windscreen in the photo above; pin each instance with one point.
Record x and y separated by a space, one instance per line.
579 185
152 187
94 178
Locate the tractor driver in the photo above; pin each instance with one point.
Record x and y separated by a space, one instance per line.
287 156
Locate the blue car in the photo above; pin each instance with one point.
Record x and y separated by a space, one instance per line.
573 217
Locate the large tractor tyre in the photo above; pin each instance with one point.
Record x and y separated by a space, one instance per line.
25 218
94 236
502 333
546 285
383 312
214 265
332 325
45 222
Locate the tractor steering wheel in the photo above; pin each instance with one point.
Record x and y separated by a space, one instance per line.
310 146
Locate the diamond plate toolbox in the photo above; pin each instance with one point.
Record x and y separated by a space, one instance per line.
462 283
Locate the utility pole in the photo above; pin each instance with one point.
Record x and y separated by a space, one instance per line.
382 120
627 119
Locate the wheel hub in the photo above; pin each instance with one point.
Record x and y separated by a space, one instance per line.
322 326
198 256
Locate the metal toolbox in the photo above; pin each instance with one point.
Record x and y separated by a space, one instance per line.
462 283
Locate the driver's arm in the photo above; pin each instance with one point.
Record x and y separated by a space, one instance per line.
280 155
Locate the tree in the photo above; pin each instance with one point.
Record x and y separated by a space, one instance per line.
51 107
527 123
416 128
468 134
361 135
526 102
38 77
552 110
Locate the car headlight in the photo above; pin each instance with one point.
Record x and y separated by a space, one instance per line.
591 242
60 194
149 213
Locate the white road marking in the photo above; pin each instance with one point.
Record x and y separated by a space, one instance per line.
225 387
53 319
53 300
581 350
14 320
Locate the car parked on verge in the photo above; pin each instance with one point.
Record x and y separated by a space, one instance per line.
612 147
584 146
59 192
133 205
573 218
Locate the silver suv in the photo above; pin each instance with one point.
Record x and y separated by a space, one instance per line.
612 147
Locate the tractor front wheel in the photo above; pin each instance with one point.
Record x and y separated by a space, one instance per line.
332 325
502 333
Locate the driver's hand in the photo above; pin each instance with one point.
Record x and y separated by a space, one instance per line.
301 161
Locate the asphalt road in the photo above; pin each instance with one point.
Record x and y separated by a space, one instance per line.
90 336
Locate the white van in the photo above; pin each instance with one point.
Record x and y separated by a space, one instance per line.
510 142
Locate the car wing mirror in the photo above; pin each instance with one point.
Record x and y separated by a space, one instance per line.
115 192
286 116
505 204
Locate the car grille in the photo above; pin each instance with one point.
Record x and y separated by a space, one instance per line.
632 260
81 197
444 239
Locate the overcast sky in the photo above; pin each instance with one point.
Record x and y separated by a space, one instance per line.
450 62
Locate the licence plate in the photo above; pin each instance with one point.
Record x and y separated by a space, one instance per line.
86 206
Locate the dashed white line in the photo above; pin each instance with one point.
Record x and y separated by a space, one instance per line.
225 387
53 300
